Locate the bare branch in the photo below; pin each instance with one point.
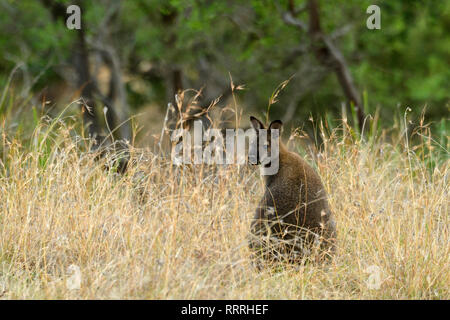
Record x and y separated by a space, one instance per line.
289 19
340 32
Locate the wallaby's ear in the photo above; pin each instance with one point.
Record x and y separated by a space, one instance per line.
276 124
256 123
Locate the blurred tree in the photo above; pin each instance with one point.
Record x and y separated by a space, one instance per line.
172 45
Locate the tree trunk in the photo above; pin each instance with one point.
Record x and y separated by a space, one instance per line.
329 55
81 61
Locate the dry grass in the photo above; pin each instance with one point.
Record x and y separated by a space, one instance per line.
161 232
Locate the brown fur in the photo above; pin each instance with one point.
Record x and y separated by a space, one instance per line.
293 214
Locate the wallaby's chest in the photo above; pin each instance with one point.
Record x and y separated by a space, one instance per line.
298 195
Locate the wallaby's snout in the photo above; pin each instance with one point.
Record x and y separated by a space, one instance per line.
293 216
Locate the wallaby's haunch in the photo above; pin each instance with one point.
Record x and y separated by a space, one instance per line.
293 218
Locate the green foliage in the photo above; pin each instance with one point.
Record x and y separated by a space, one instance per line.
407 61
405 64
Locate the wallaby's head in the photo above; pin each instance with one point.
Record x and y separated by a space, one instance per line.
268 141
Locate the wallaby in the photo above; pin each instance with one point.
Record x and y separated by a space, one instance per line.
293 216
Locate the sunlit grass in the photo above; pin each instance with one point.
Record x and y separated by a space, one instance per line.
71 229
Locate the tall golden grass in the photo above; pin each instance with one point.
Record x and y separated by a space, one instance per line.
69 229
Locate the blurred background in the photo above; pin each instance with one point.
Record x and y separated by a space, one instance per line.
306 59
